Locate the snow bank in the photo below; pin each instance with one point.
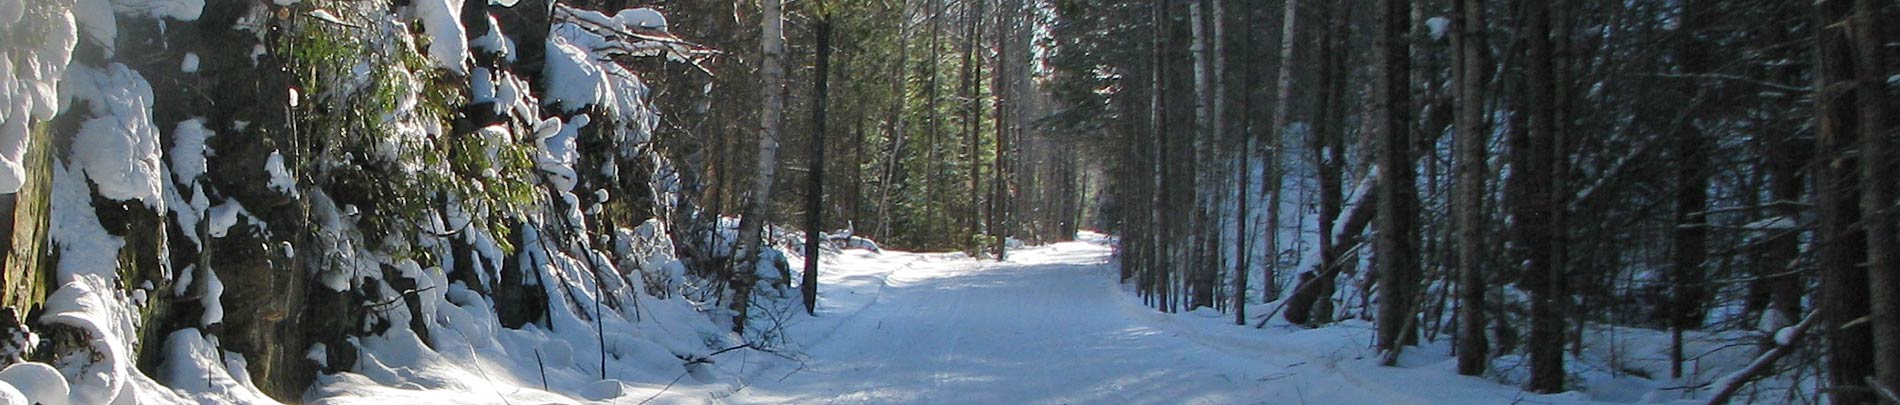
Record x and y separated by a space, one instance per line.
35 383
196 367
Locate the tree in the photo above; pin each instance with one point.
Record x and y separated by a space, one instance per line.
815 191
771 123
1276 141
1536 202
1689 236
1472 64
1876 194
1844 288
1397 242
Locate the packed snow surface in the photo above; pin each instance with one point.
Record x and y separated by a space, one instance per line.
1051 325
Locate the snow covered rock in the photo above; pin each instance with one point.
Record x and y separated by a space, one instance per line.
448 40
118 148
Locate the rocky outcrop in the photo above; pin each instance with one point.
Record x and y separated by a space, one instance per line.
285 180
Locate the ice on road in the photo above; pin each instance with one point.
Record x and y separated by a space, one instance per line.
1052 325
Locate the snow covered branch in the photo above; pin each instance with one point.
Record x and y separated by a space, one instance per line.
1784 343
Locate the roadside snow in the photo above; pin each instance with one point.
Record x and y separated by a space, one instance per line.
194 365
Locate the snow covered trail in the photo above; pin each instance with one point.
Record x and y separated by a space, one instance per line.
1051 325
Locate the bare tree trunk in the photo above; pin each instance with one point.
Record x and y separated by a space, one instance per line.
933 127
1305 305
857 174
1533 206
1276 143
967 96
815 191
1217 16
771 122
1203 125
1243 173
1471 69
1690 233
1397 247
1158 105
902 88
1876 192
1005 94
1844 292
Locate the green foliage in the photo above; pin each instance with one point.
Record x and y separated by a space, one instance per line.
376 121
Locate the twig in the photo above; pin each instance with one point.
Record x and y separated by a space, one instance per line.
378 306
668 386
543 368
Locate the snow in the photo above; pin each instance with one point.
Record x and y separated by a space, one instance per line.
1053 326
468 358
580 83
280 178
448 40
578 76
1771 224
190 64
494 41
556 154
37 382
226 215
11 10
1785 336
93 305
1439 26
118 147
188 150
641 18
30 75
196 367
1772 320
212 300
97 22
181 10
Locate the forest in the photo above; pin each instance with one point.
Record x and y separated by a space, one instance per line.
1509 176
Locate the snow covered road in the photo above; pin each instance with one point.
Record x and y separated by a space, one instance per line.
1051 325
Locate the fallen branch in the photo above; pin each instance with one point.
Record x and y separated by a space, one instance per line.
1734 381
1885 392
